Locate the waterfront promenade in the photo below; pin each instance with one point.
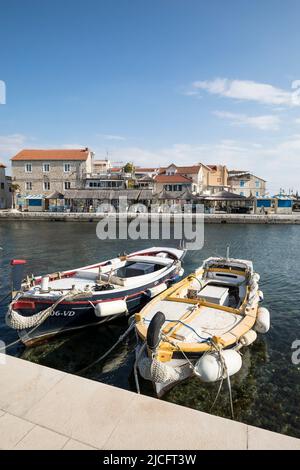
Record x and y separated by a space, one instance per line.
43 408
208 218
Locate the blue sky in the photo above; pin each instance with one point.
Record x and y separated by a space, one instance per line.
155 81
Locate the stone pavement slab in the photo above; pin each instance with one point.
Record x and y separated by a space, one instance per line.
76 445
24 384
12 430
83 409
41 408
42 439
260 439
153 424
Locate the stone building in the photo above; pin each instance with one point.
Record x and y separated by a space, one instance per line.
46 171
5 193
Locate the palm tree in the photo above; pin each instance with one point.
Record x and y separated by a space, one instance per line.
129 168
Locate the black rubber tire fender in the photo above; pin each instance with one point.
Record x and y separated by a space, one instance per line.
154 328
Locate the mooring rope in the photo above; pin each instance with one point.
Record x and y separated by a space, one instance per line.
4 298
135 371
121 338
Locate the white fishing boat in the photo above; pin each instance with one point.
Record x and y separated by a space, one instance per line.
199 325
43 306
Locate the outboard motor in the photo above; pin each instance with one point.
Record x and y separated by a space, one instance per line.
154 329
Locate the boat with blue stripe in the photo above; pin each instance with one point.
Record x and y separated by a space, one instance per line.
44 306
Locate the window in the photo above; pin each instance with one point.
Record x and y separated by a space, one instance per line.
2 185
67 185
28 167
242 193
257 183
46 186
28 185
242 183
171 171
257 194
67 167
46 167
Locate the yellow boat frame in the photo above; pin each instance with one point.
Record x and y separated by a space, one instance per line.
166 349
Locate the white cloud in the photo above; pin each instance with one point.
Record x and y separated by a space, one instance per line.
264 122
250 91
278 163
111 137
70 146
191 93
10 145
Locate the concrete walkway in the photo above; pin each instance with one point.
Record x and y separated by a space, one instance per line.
208 218
42 408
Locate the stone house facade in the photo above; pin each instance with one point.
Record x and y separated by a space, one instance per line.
43 172
5 194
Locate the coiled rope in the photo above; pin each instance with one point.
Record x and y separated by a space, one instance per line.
19 322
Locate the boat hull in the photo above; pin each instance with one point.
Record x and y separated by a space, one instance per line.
74 315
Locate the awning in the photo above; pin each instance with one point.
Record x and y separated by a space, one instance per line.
55 195
104 194
223 196
35 196
146 194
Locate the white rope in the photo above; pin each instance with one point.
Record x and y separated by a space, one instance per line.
230 396
217 395
19 322
224 375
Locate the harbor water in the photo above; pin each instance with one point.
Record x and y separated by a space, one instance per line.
266 391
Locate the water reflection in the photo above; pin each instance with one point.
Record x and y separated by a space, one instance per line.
266 391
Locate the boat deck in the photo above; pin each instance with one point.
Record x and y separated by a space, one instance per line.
206 321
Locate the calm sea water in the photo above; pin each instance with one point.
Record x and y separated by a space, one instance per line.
266 391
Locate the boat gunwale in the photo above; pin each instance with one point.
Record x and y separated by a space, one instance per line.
166 349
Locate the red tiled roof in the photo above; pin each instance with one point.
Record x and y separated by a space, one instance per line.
172 179
115 170
59 154
192 169
2 165
146 170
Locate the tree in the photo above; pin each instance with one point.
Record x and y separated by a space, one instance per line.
14 188
129 168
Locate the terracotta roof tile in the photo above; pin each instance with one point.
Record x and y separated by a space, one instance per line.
57 154
172 179
146 170
192 169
